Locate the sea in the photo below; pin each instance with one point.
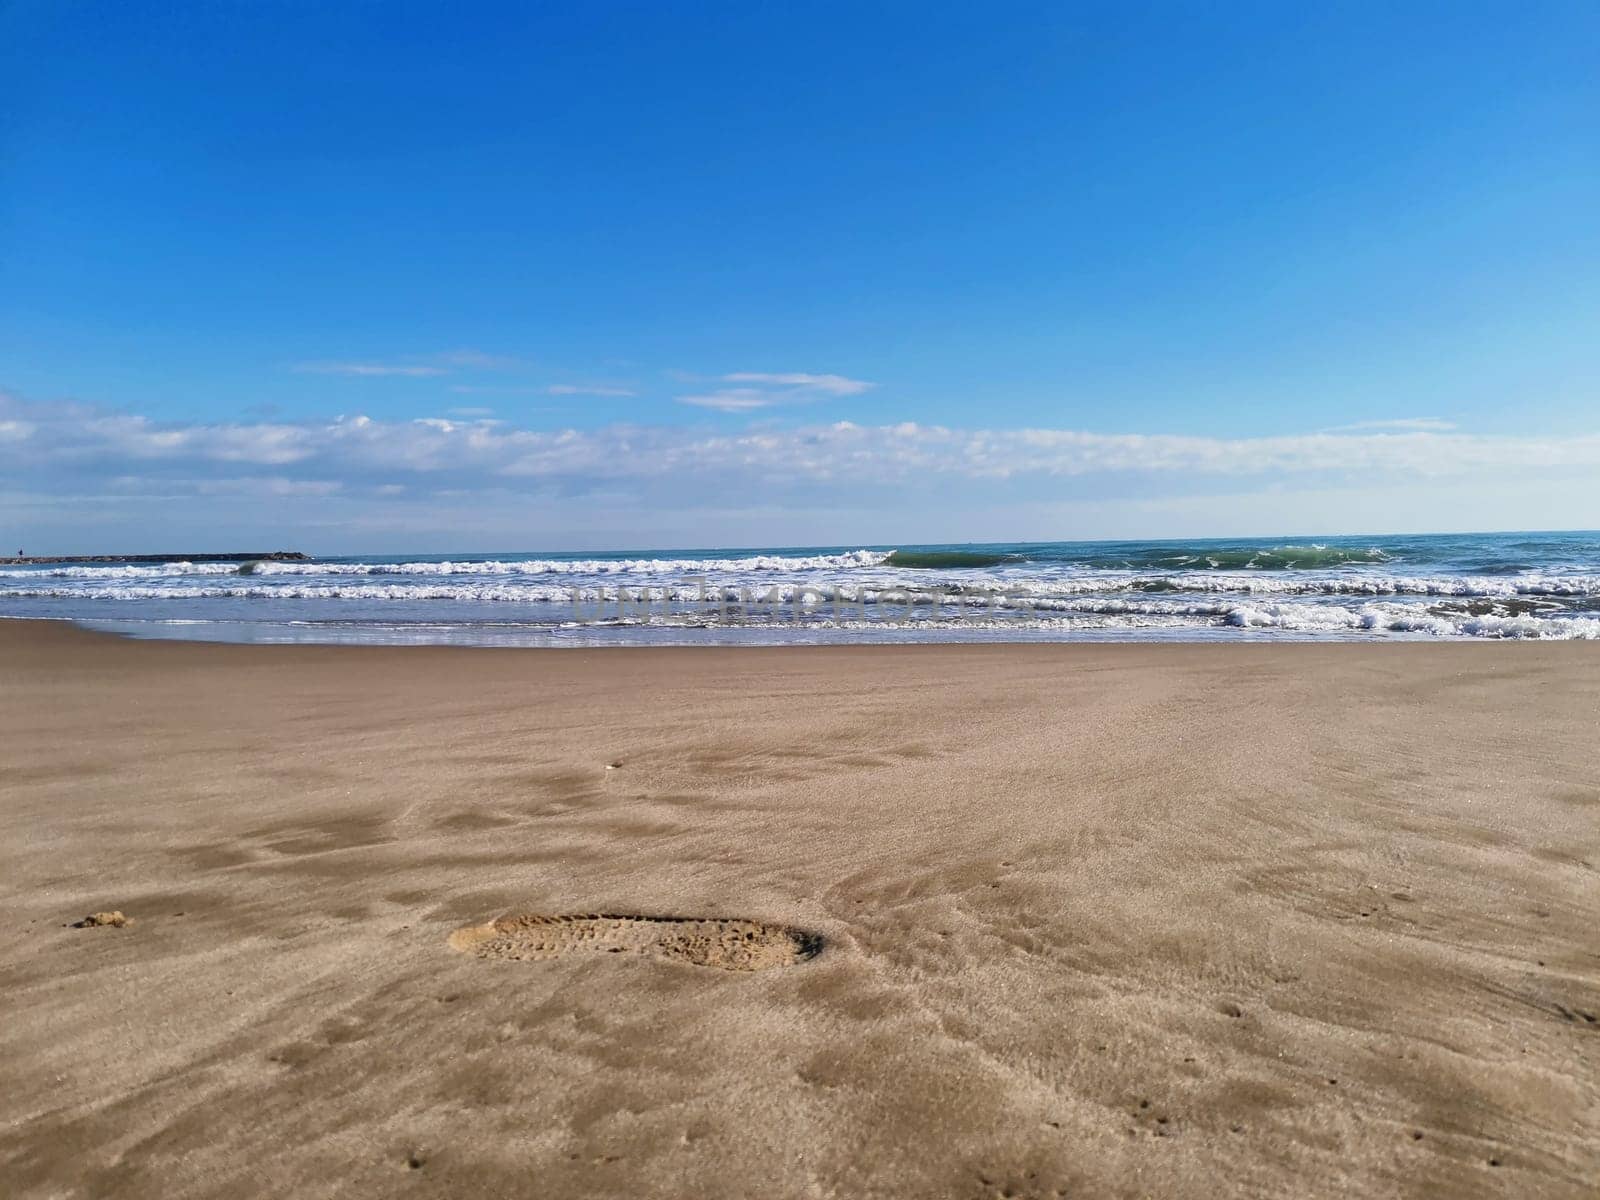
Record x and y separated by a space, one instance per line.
1543 586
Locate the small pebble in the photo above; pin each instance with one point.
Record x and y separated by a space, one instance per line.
113 918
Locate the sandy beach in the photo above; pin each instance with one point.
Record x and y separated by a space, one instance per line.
1086 920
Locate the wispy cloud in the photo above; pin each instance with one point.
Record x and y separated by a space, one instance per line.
830 385
1399 425
754 390
552 389
584 389
477 360
413 370
265 486
731 400
416 366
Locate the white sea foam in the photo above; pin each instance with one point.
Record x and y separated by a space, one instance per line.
538 566
1338 595
1292 625
524 586
887 608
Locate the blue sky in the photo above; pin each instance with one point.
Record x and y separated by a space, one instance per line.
409 276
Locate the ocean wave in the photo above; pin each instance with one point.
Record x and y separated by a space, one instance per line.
1405 588
946 560
1199 620
1309 557
538 566
1292 621
1297 624
1248 585
792 602
1378 620
881 587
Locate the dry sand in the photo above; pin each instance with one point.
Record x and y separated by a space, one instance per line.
1096 920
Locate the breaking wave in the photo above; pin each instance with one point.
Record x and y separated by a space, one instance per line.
945 560
1482 586
504 586
1247 558
534 566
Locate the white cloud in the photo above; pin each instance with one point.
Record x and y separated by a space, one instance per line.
476 360
368 369
415 367
732 400
831 385
580 389
1406 424
81 477
554 389
755 390
467 450
267 487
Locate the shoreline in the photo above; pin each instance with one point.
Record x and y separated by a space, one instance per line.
1114 919
1012 642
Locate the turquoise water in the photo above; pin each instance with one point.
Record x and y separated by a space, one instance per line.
1467 586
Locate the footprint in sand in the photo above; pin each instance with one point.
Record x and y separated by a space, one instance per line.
732 945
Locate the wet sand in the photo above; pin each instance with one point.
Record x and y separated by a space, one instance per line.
1084 920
